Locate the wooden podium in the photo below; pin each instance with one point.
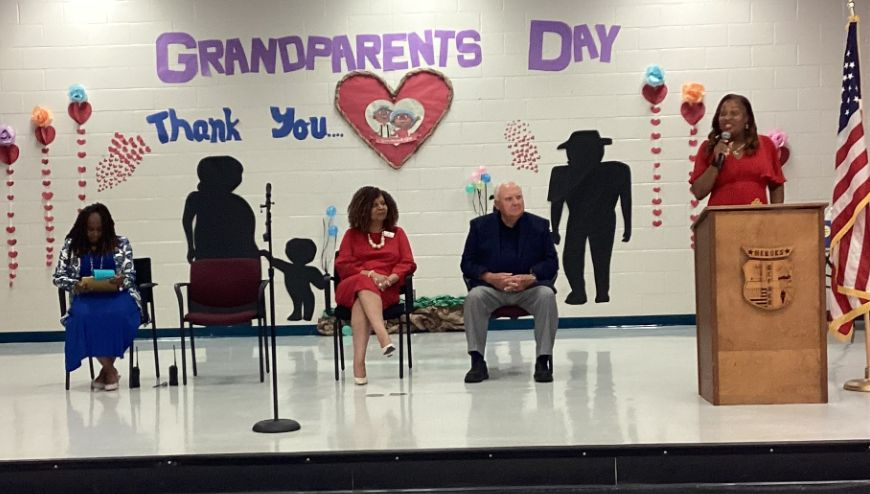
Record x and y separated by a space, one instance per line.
760 301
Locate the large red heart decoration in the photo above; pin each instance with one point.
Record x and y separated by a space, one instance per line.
692 112
80 112
784 154
45 135
9 154
655 95
394 123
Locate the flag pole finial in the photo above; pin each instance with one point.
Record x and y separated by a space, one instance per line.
851 5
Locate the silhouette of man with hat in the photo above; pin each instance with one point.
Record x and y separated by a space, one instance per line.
590 188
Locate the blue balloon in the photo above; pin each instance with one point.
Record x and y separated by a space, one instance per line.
330 211
346 330
486 178
333 231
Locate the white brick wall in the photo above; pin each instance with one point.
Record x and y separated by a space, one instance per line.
784 54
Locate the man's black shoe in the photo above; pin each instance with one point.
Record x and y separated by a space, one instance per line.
477 373
544 369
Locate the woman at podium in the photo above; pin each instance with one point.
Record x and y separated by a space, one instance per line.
736 166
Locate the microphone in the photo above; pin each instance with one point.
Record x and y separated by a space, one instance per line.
725 136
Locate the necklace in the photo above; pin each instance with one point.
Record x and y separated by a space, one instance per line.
378 245
91 258
738 150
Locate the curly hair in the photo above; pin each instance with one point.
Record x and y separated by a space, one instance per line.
359 211
751 131
78 234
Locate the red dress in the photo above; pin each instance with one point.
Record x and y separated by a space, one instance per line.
355 254
742 180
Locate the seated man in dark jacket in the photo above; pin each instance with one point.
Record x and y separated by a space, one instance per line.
510 259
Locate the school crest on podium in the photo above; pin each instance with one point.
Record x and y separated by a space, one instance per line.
767 276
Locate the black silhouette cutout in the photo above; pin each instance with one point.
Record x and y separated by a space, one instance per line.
298 277
217 223
590 188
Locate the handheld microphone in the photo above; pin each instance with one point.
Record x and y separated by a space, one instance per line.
725 136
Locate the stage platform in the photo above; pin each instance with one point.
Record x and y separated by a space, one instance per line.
622 413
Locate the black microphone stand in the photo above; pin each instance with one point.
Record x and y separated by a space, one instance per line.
274 424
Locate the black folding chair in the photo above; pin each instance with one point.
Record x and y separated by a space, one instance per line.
396 311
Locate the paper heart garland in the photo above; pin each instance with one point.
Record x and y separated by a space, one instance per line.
9 154
416 108
654 95
692 112
79 112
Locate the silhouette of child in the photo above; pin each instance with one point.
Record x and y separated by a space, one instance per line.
298 277
217 223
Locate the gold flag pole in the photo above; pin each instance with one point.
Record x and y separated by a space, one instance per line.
862 385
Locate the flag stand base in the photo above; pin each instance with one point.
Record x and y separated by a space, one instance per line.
862 385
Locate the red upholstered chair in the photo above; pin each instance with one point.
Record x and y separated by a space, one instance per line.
222 292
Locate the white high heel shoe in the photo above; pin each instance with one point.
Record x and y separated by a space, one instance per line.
360 381
389 349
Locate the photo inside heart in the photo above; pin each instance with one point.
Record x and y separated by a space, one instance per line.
394 123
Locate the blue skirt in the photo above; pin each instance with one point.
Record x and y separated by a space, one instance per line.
100 325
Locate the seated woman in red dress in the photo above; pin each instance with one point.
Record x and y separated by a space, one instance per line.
372 262
736 166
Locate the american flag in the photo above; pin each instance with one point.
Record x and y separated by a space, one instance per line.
850 231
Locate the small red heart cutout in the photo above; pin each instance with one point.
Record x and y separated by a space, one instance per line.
10 183
48 207
50 240
656 201
44 161
657 177
655 109
80 131
694 203
47 196
46 183
655 150
657 189
693 142
655 135
657 165
692 158
10 171
44 150
82 197
693 218
10 214
81 142
657 212
46 172
655 121
81 154
11 241
693 131
83 183
13 265
10 229
657 223
49 248
82 169
13 254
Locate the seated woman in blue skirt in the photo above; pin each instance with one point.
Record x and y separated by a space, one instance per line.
99 324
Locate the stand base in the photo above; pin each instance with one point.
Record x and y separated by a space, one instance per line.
273 426
862 385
